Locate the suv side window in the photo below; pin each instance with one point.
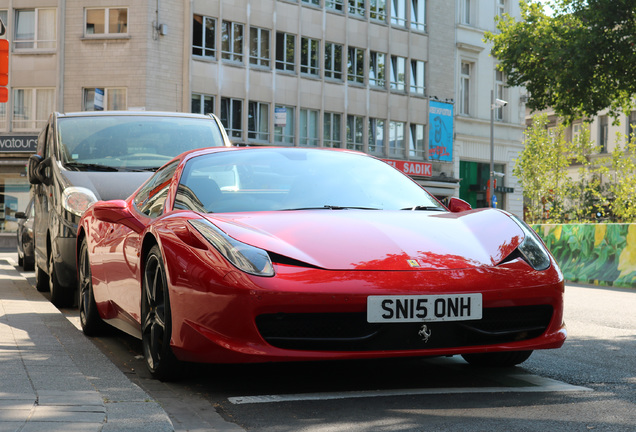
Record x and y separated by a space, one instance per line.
151 198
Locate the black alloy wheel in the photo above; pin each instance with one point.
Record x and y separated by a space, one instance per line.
156 320
90 320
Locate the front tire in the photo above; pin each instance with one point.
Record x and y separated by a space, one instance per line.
41 280
90 320
497 359
156 319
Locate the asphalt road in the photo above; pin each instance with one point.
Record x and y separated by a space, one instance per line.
589 384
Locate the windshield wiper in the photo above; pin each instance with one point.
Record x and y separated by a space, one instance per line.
79 166
420 207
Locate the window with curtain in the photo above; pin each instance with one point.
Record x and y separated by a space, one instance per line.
114 99
331 130
105 21
418 15
32 107
417 145
464 88
418 82
35 28
285 134
203 36
398 73
398 12
355 130
308 127
396 139
258 121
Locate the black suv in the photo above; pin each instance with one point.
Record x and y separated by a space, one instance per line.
89 156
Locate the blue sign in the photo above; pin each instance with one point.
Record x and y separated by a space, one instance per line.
440 135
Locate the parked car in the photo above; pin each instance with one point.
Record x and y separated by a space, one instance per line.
283 254
26 257
88 156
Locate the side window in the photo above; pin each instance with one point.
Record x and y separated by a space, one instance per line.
151 198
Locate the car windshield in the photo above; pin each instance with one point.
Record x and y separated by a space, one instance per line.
296 179
130 142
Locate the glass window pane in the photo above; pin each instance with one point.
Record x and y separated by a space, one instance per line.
118 20
95 21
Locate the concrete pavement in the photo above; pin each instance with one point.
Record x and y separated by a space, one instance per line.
51 379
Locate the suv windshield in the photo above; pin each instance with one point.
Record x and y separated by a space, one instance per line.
130 142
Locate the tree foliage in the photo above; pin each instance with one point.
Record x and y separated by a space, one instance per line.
578 61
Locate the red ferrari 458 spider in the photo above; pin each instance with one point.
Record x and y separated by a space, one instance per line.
230 255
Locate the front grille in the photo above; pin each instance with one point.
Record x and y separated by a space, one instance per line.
352 332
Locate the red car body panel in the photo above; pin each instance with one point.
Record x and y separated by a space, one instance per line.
325 261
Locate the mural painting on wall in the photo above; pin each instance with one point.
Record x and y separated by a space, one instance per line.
603 254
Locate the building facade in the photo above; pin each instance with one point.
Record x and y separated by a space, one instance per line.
381 76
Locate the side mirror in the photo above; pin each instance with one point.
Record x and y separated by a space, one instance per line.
20 215
117 212
34 171
456 205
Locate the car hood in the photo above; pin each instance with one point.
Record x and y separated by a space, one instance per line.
378 240
108 185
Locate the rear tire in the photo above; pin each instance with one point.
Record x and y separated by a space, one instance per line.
60 296
92 323
497 359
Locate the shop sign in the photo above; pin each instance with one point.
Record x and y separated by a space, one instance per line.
440 136
18 143
410 168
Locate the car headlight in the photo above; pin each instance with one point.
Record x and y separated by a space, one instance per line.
247 258
77 199
532 249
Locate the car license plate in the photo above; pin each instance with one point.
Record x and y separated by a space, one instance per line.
424 308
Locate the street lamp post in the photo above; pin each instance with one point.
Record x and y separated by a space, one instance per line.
494 104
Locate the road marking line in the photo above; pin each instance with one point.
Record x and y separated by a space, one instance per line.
535 384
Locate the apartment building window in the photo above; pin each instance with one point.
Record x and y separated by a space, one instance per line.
465 11
500 93
377 10
231 116
285 48
501 7
105 98
355 129
376 136
4 16
377 69
396 139
576 131
35 28
308 127
284 133
603 134
355 65
398 73
106 21
418 15
398 12
203 36
331 130
417 145
258 121
309 56
356 8
259 47
232 41
333 60
312 2
202 103
334 5
418 77
32 107
464 88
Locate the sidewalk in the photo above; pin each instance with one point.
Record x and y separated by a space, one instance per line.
53 379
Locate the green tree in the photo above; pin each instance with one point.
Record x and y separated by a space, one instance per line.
578 61
542 169
622 186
